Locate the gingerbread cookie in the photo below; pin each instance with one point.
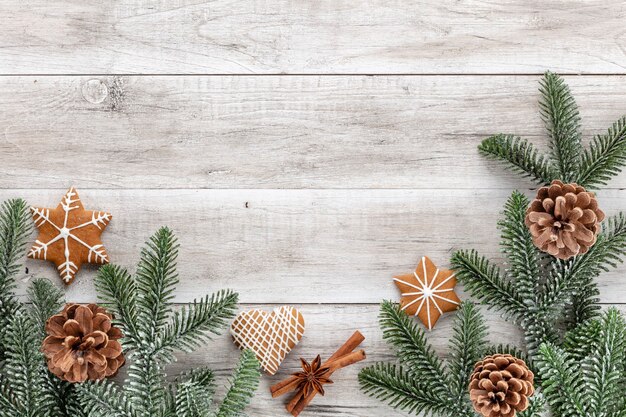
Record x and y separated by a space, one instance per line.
428 292
270 335
69 235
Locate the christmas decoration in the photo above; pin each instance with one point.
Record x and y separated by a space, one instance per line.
26 386
69 235
545 295
501 386
153 331
539 291
564 219
312 377
142 310
428 292
82 344
421 383
586 376
310 382
271 336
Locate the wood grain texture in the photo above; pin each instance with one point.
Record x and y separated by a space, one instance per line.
303 152
277 132
328 36
299 246
328 326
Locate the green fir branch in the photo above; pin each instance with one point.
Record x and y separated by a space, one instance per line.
14 230
483 281
517 244
67 402
414 353
46 300
587 377
467 346
560 115
118 290
23 367
192 400
400 389
244 383
156 281
193 325
573 279
536 408
560 375
604 371
205 377
8 399
585 303
604 158
143 308
103 399
520 155
146 384
581 341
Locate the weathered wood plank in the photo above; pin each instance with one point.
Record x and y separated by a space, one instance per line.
276 132
288 36
328 326
300 246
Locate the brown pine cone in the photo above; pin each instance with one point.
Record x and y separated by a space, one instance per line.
82 344
500 386
564 219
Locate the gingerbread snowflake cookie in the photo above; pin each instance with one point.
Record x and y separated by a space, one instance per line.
428 292
69 235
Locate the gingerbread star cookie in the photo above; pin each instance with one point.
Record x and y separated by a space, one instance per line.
428 292
69 235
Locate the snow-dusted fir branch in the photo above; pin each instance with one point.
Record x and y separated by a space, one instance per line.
153 331
421 382
537 290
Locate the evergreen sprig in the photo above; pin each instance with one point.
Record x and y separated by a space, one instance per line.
27 388
586 377
604 157
421 382
538 291
521 155
14 230
581 372
568 160
143 309
560 115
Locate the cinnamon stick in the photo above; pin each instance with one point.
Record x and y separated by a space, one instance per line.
352 343
346 360
290 383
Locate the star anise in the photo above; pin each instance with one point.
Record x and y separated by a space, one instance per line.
313 377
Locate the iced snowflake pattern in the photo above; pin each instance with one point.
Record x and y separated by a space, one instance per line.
428 292
69 235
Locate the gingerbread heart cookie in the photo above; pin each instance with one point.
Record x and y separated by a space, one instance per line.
270 335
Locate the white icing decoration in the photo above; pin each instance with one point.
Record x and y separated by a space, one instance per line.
427 294
97 253
272 337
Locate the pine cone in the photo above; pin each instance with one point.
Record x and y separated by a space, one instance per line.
82 344
564 219
500 386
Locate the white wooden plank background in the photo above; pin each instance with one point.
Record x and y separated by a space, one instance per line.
323 36
296 146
